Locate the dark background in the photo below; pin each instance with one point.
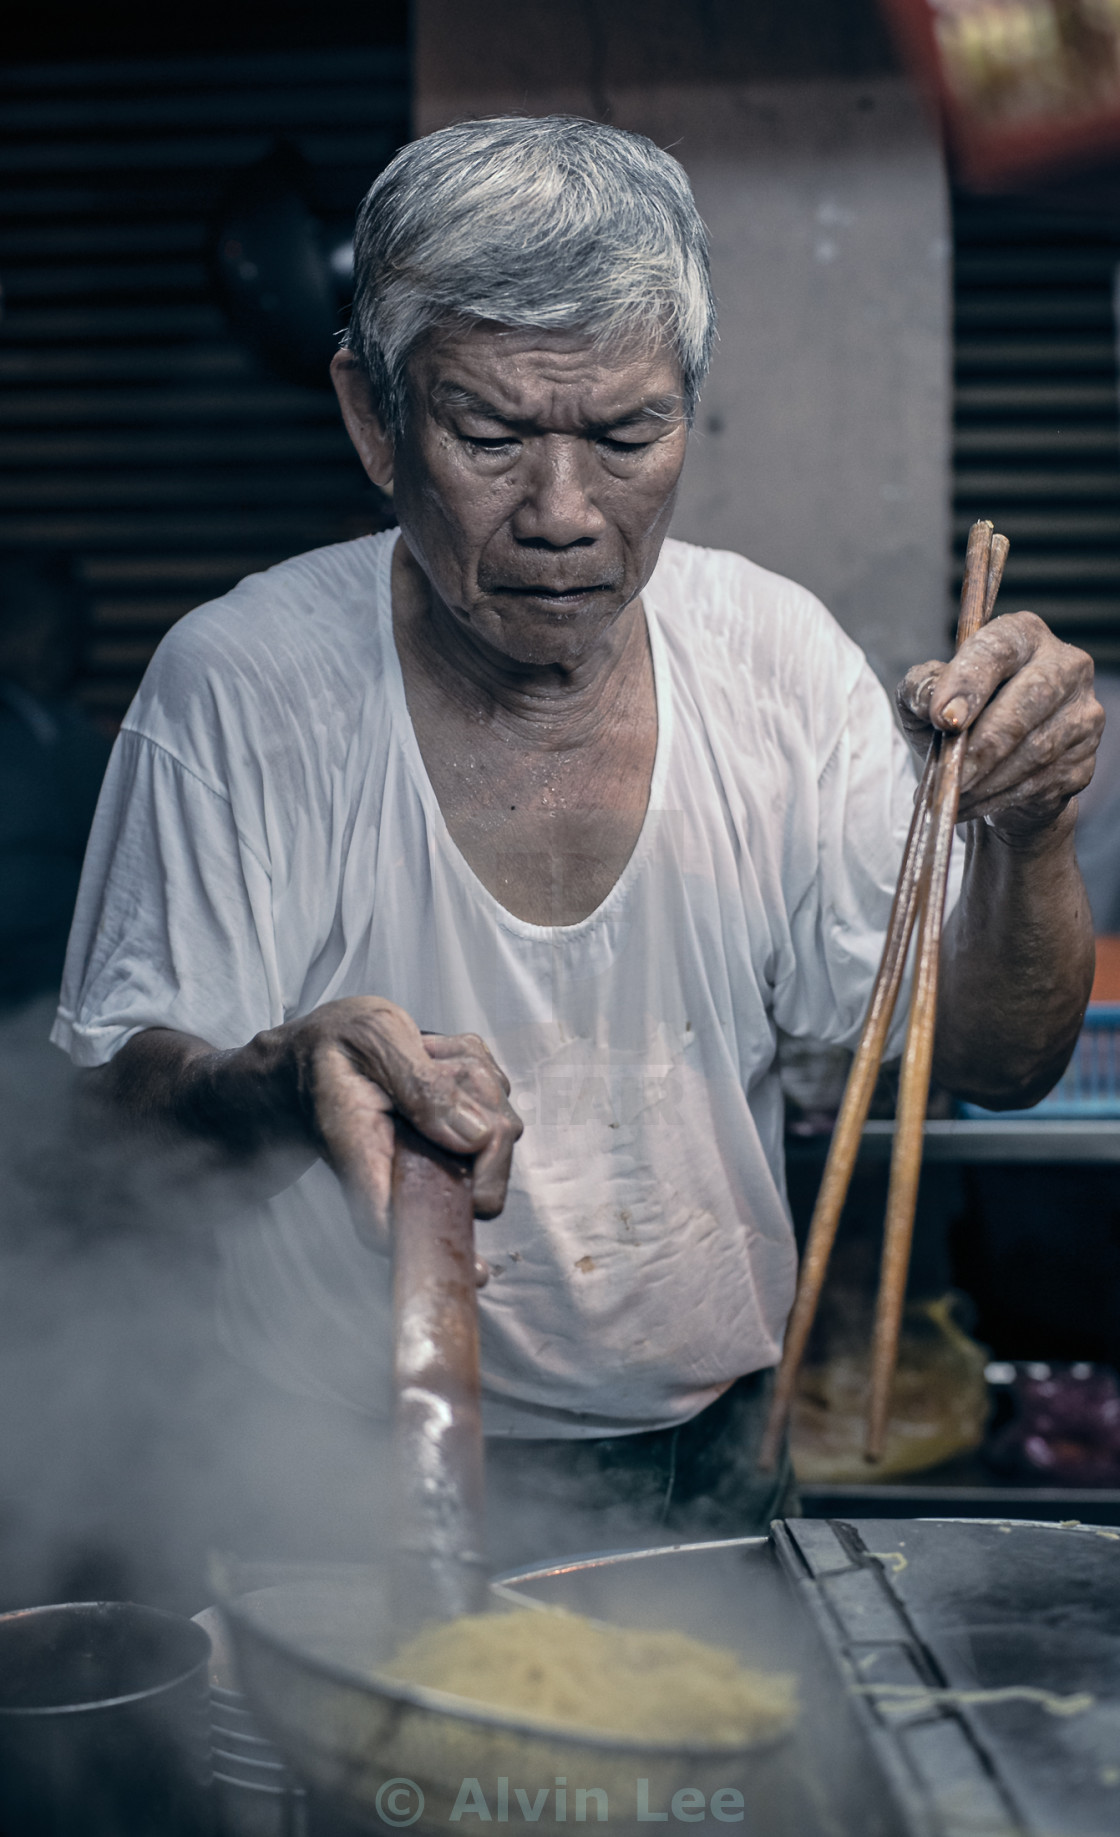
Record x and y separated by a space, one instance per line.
66 29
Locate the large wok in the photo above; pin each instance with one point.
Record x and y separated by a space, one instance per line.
382 1753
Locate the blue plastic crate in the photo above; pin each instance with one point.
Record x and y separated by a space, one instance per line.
1090 1088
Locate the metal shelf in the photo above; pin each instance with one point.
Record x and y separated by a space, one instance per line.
1048 1142
1011 1140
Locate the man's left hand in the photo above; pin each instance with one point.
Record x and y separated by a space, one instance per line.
1033 721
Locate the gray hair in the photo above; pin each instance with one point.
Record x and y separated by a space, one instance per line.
550 222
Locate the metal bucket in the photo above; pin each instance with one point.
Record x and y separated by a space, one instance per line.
391 1755
103 1725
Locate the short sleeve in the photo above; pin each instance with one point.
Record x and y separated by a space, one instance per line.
865 804
173 924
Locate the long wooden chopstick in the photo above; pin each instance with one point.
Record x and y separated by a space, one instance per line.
844 1146
983 571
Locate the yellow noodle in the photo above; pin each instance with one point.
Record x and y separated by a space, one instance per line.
561 1669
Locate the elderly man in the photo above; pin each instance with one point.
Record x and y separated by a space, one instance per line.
535 827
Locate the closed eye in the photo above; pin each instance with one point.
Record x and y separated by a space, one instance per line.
488 444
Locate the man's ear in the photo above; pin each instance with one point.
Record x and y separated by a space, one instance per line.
363 423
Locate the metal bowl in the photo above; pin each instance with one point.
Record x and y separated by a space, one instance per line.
389 1754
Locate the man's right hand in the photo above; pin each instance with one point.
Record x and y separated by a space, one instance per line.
329 1083
359 1061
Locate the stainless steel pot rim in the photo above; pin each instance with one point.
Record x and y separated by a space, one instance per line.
101 1705
237 1740
464 1709
266 1792
248 1733
232 1699
603 1559
240 1744
245 1760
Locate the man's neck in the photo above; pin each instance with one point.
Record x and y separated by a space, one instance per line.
544 706
543 776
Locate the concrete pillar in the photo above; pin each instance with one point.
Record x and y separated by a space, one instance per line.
822 444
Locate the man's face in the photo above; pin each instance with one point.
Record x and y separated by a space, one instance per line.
535 480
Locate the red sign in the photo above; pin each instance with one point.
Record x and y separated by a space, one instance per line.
1021 84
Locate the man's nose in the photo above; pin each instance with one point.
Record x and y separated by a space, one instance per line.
558 508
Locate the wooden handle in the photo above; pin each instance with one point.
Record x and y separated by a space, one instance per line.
439 1563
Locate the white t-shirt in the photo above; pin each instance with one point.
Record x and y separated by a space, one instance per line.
268 839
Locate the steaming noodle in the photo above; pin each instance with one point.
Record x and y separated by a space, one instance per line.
566 1671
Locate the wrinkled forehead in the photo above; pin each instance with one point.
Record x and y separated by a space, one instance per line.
526 373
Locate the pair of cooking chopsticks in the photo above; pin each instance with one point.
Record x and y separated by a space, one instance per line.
919 901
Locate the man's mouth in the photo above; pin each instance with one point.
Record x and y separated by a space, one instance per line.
558 596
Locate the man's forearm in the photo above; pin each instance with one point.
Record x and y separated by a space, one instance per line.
328 1084
243 1103
1017 967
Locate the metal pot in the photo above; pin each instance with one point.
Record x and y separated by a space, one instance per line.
103 1723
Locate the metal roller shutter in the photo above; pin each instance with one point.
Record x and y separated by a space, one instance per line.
1037 433
134 431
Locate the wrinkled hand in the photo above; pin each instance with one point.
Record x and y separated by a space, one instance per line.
360 1060
1033 721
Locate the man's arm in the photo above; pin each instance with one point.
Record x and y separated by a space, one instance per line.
1017 963
325 1085
1017 968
